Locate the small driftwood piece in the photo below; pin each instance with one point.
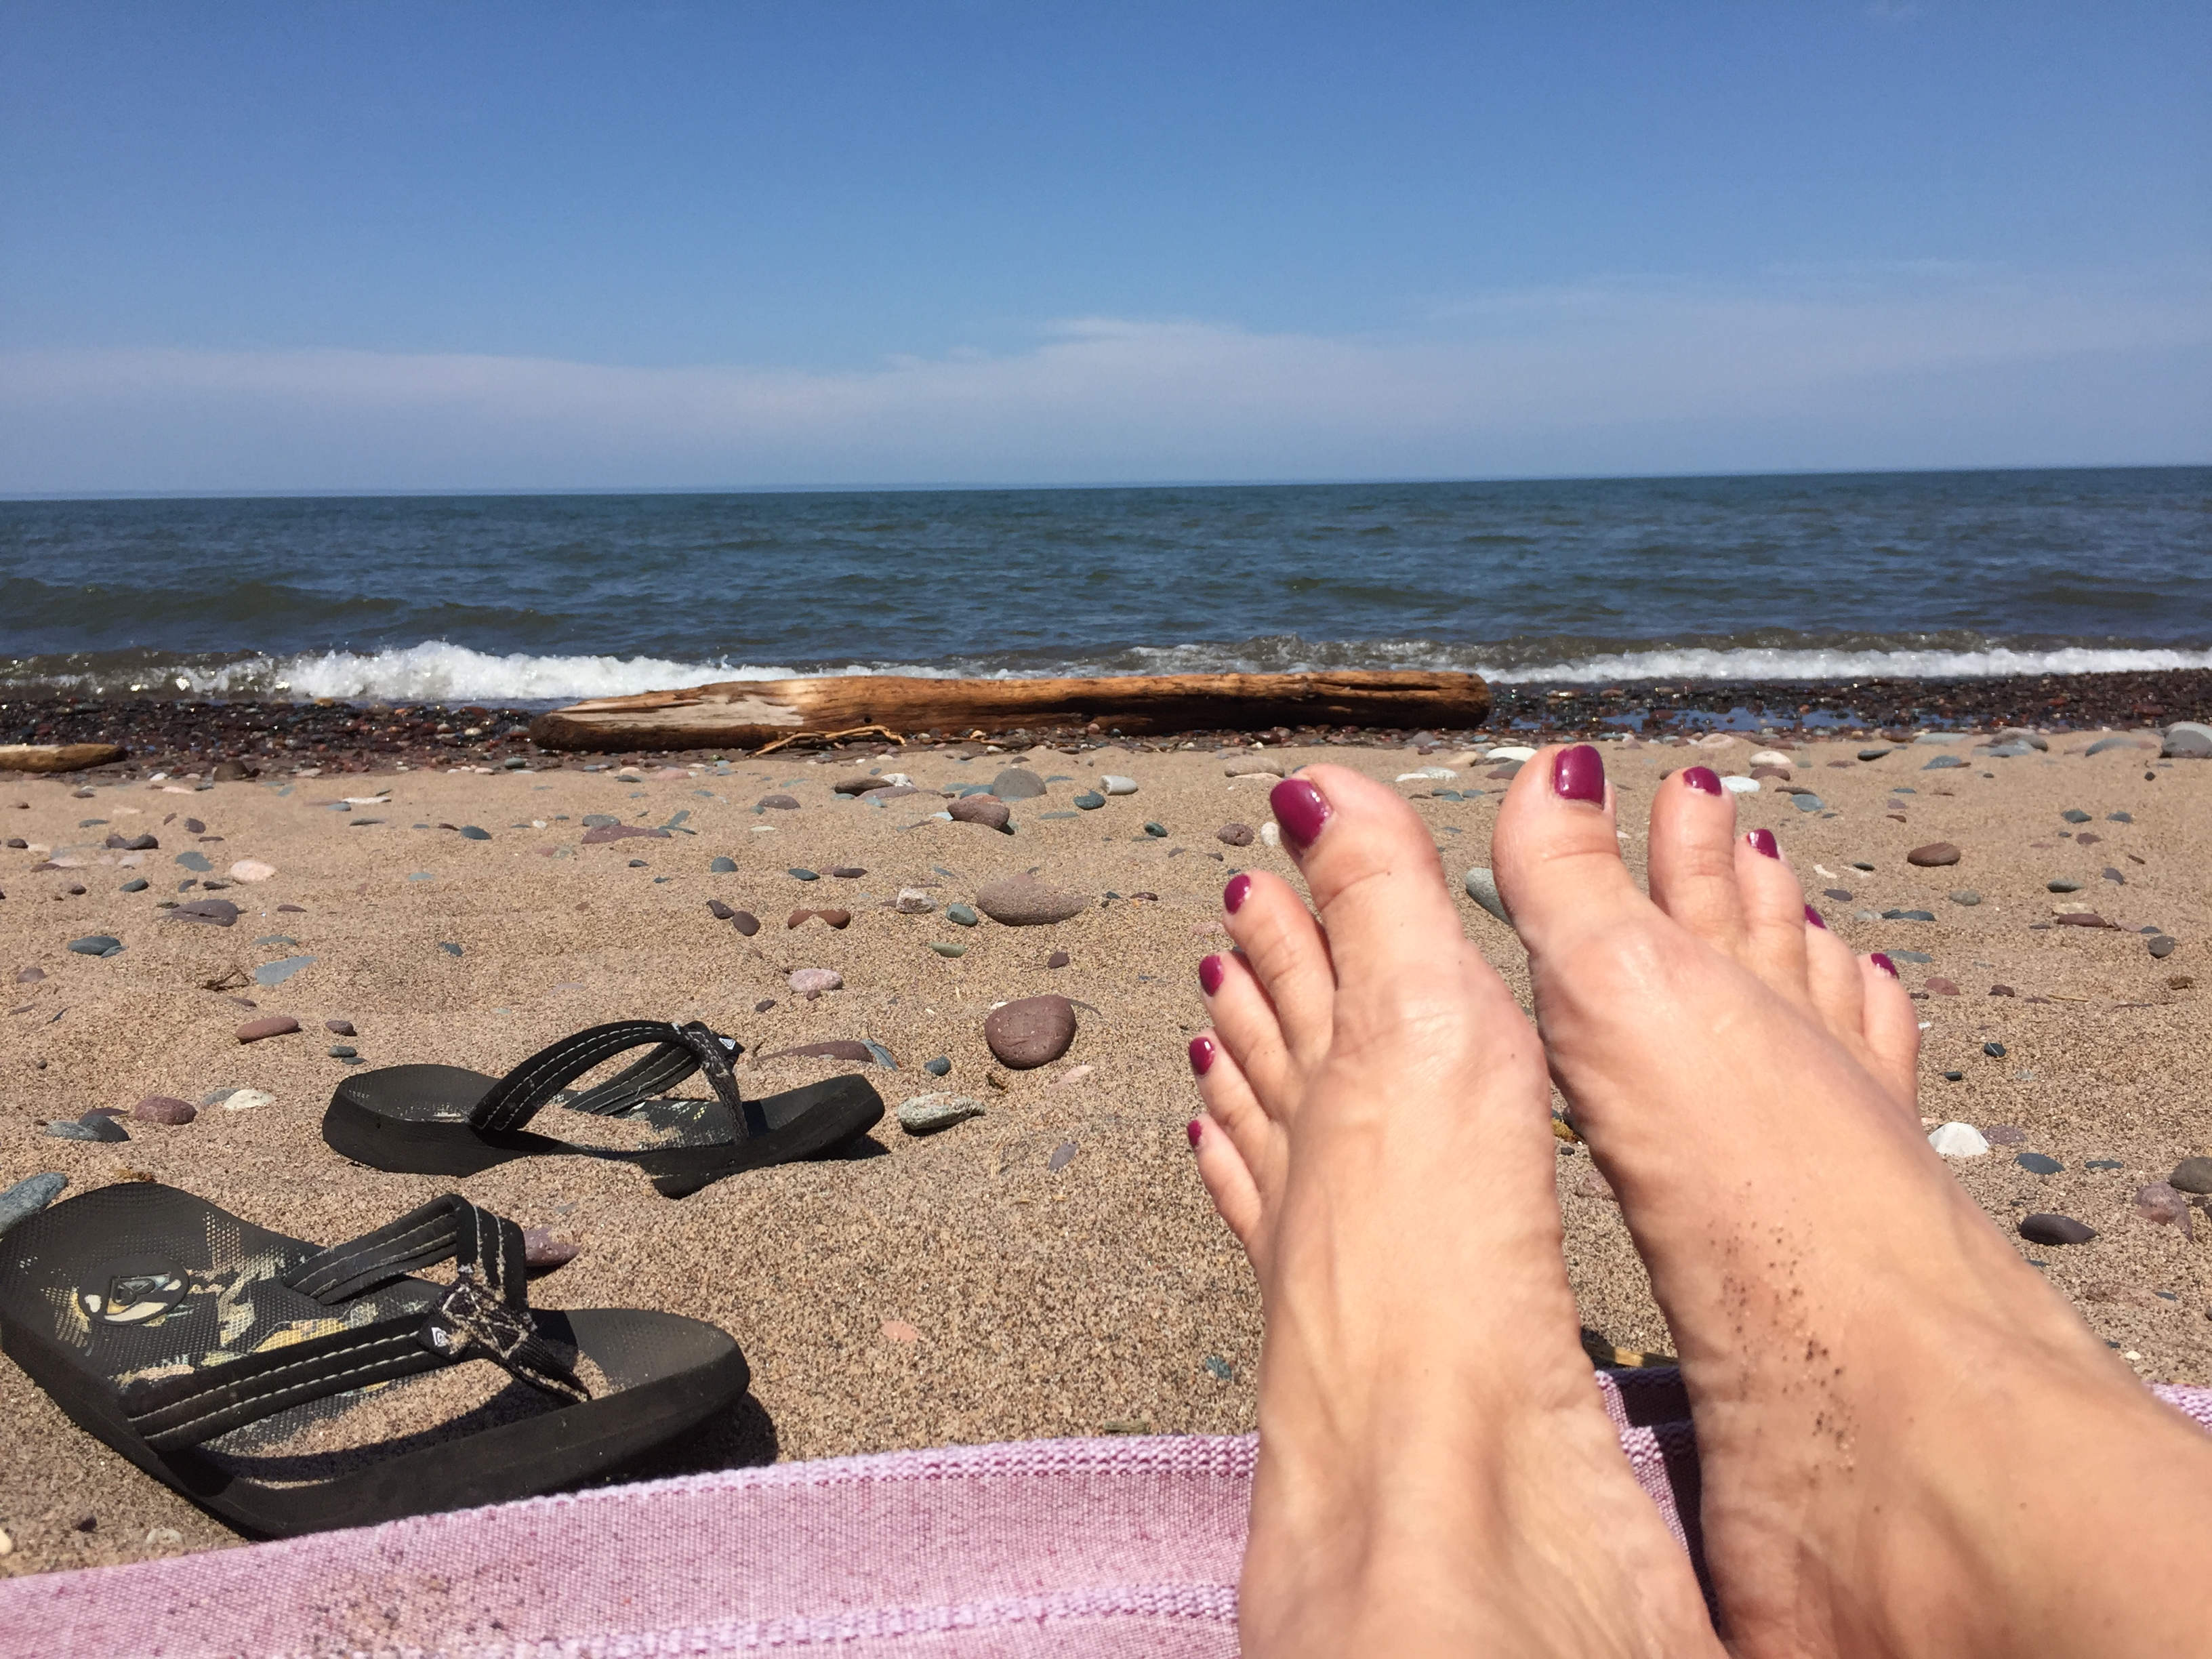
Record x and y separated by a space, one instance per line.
747 714
57 757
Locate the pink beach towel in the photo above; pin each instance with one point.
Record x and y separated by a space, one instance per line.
1102 1549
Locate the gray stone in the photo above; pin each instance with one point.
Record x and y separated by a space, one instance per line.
1874 754
275 973
847 872
449 947
29 1196
136 884
1234 835
88 1128
1965 896
1157 831
2192 1175
2161 946
960 916
164 1109
2188 740
1806 802
2037 1163
1032 1032
1482 888
1113 784
2063 886
96 944
1994 1050
2020 734
777 804
1090 800
1023 901
1908 916
746 922
2006 750
803 874
342 1051
948 950
925 1115
29 975
986 810
215 913
2043 1228
1943 762
2104 743
1018 783
472 832
1062 1156
600 820
194 861
941 1066
2074 815
860 786
722 866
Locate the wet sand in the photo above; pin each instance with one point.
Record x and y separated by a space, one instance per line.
958 1288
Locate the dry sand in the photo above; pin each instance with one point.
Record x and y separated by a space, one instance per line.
957 1289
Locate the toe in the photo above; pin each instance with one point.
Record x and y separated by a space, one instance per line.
1557 858
1890 1031
1238 1120
1774 909
1833 980
1229 1183
1692 858
1285 965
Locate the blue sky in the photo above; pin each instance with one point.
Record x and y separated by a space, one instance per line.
452 246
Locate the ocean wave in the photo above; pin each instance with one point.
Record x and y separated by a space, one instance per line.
1777 664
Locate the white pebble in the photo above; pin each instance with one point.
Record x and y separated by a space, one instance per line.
1427 775
1513 752
1270 835
251 870
1958 1141
245 1100
1113 785
1769 757
1741 785
808 980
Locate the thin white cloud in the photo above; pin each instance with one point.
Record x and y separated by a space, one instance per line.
1918 365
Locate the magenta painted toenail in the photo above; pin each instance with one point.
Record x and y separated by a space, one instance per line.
1233 895
1301 809
1702 779
1210 975
1812 916
1884 963
1202 1055
1578 774
1763 842
1192 1128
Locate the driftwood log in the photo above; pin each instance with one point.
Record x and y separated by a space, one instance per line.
745 713
57 756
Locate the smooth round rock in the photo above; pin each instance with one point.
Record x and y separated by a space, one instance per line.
1018 783
986 810
776 804
2160 1201
96 944
925 1115
948 949
542 1252
1958 1141
2061 886
2043 1229
473 832
847 872
1025 902
960 916
1234 835
860 786
88 1128
136 884
1994 1050
255 870
2188 740
1058 959
272 1025
746 922
812 981
938 1068
1157 831
2161 946
1934 856
1114 784
1966 896
164 1109
803 875
1032 1032
2037 1163
1090 800
2192 1175
1482 887
722 866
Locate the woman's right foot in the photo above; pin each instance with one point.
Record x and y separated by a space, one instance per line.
1910 1444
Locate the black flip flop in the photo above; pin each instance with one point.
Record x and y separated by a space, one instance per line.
446 1120
290 1389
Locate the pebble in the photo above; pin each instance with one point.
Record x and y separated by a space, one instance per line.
1943 762
859 786
1873 754
1032 1032
1740 786
89 1127
1942 988
2161 1202
720 911
1958 1141
29 975
2005 1134
217 913
1157 831
29 1196
2161 946
746 922
600 820
1062 1156
606 833
2192 1175
2074 815
275 973
245 1100
1089 801
1114 784
812 981
859 1053
948 950
268 1026
1253 767
1025 902
1058 959
1270 835
343 1051
449 947
194 827
136 884
2105 743
2043 1228
803 875
925 1115
938 1068
195 862
1994 1050
2078 917
1018 783
763 1005
255 870
96 944
915 902
1482 888
986 810
2061 886
776 804
472 832
1519 752
1965 896
2188 740
1910 956
960 916
1934 856
164 1109
847 872
1805 802
1234 835
722 866
2037 1163
1841 895
1908 916
543 1252
2002 991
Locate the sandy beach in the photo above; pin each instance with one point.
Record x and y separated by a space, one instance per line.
1051 1267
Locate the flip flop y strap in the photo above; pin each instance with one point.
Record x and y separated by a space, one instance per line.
484 1314
517 1097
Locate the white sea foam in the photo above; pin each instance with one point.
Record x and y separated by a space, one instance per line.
1759 664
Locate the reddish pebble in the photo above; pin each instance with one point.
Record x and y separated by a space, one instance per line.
340 1028
164 1109
542 1252
1943 987
275 1025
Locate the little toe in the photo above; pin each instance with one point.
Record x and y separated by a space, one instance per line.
1228 1181
1237 1120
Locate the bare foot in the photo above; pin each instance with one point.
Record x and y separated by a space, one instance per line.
1910 1444
1436 1474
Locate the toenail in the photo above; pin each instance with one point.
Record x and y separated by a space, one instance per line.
1202 1051
1763 841
1704 780
1578 774
1210 974
1193 1131
1884 963
1301 810
1812 917
1233 895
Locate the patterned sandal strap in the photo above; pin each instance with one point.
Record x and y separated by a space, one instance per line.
517 1097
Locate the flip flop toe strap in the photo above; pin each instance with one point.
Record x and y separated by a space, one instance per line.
484 1314
679 1052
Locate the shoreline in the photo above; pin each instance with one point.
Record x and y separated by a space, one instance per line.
181 734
